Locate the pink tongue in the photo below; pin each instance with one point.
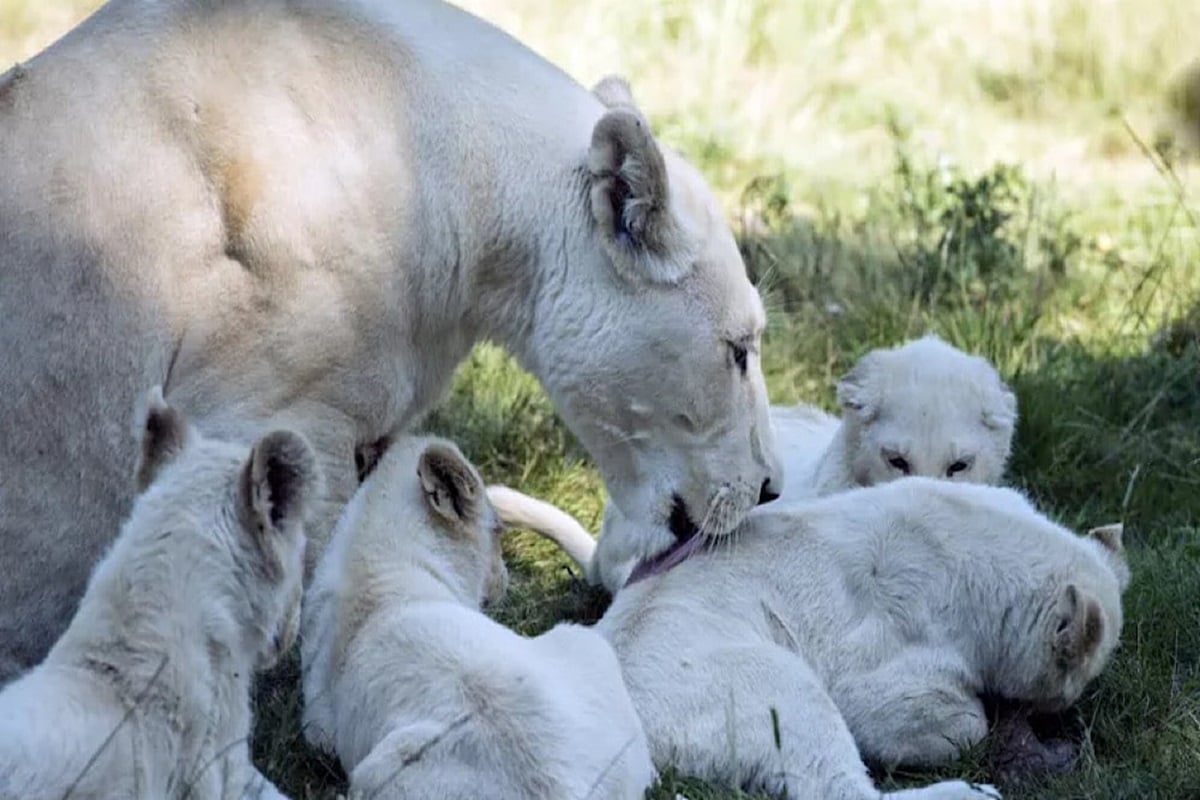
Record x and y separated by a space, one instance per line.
667 559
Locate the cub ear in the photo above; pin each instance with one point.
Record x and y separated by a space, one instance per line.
1080 627
855 390
162 433
452 489
1001 414
630 199
614 91
280 484
368 454
1110 536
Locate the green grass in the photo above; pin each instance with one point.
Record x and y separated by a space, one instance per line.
1013 176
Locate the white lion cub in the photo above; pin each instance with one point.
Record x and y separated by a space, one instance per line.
146 694
874 617
423 696
923 409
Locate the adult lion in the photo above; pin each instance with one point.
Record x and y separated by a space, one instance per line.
304 214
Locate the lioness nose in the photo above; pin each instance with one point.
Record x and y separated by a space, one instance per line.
767 493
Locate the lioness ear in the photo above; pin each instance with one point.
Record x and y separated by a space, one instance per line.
280 483
162 433
630 200
452 489
614 91
1080 627
854 391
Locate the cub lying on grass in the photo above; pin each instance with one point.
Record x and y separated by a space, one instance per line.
422 696
877 615
146 694
922 409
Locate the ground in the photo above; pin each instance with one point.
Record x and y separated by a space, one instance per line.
1015 176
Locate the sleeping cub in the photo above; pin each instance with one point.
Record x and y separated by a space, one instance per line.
147 692
877 616
423 696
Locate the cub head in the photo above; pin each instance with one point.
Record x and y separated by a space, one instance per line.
651 351
1068 634
926 409
438 507
233 518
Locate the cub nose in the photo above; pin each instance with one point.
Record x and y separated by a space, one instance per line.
767 493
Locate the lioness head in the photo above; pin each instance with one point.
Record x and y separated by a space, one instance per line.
926 409
652 354
237 519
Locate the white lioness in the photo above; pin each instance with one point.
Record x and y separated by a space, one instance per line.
303 214
423 696
875 616
147 692
924 409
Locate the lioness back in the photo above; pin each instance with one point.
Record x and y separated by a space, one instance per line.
125 275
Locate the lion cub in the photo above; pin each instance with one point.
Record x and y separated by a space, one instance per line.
874 617
147 692
922 409
423 696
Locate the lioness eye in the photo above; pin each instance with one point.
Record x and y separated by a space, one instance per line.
739 356
899 463
956 467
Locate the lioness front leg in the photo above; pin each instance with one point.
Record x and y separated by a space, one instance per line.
915 711
757 717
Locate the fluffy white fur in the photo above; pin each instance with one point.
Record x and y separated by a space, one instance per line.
923 409
304 214
147 692
875 616
420 694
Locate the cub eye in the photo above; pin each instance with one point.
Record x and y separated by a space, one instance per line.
956 467
900 463
739 356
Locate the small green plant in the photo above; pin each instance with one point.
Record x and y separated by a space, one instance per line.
983 236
